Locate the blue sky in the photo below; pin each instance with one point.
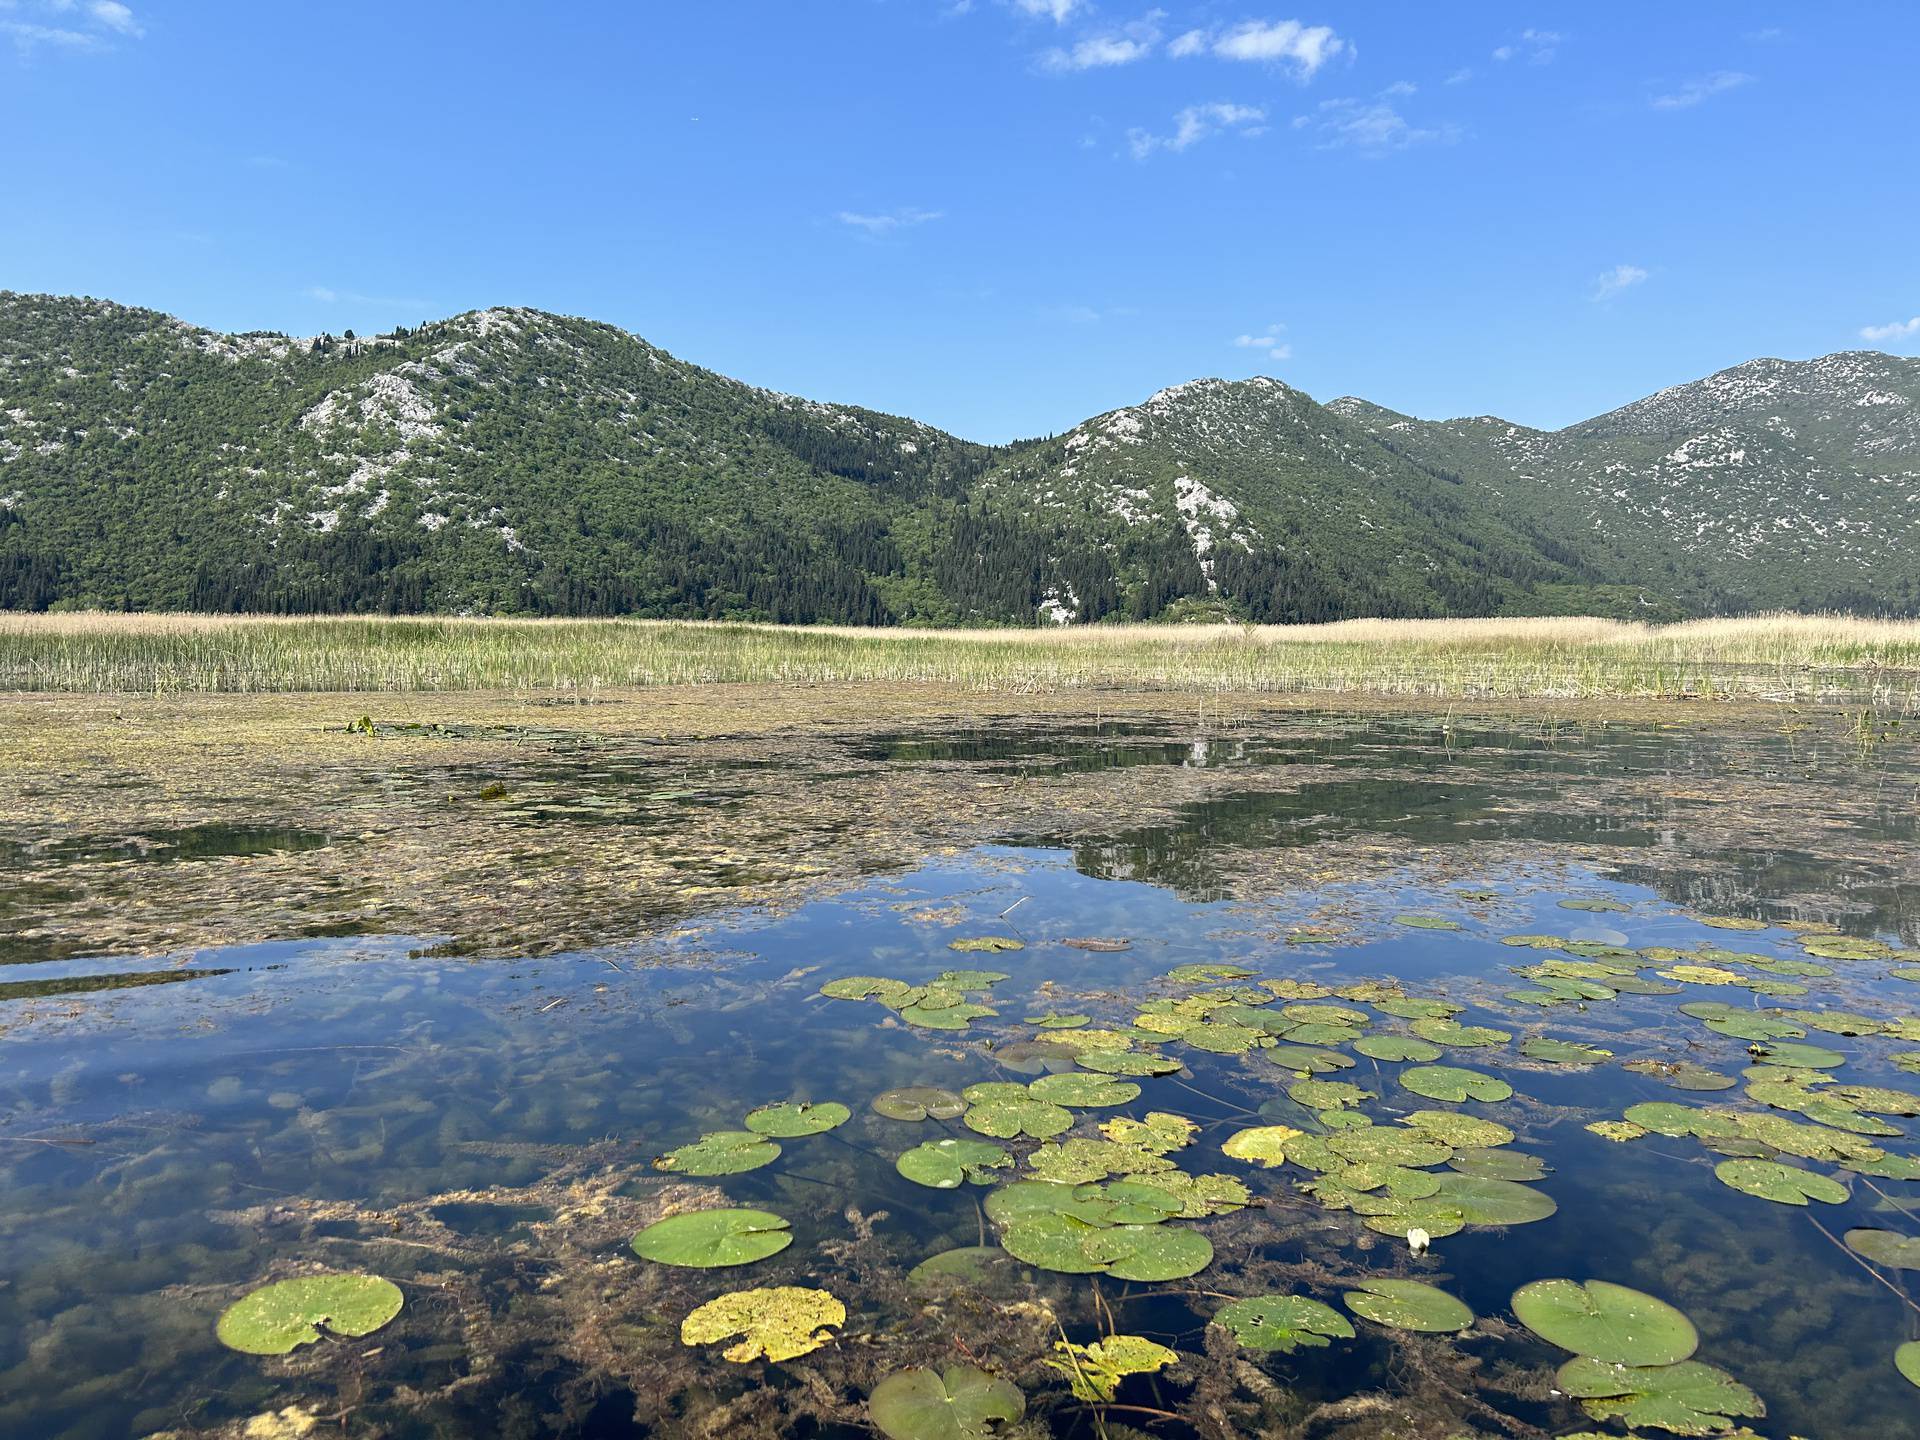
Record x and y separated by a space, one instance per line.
1006 215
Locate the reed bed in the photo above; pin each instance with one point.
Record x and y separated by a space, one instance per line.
1807 659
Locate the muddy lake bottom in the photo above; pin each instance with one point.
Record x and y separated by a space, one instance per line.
431 998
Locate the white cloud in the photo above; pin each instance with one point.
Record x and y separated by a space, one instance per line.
327 295
1610 283
889 222
1131 42
1898 330
1705 88
1058 11
66 24
1197 123
1267 341
1538 47
115 16
1460 76
1304 47
1372 126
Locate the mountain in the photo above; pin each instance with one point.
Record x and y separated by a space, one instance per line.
512 461
1775 483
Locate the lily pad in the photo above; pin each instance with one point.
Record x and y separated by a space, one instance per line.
1392 1048
1408 1305
1564 1052
1326 1094
1452 1032
1499 1164
780 1323
944 1164
711 1239
1606 1322
865 987
1493 1202
1907 1361
1682 1074
945 1017
918 1102
1283 1323
277 1319
961 1402
974 979
1428 922
1885 1247
1202 973
1689 1398
795 1118
1161 1133
986 945
1783 1184
1084 1092
1126 1062
1005 1110
1095 1371
1454 1128
1054 1021
1449 1082
720 1152
1263 1145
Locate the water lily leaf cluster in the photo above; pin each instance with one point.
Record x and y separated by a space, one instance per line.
941 1003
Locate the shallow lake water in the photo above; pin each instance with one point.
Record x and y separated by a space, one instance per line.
487 1132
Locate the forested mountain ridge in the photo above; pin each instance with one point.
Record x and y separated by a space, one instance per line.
1774 483
513 461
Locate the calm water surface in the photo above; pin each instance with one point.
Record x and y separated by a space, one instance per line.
482 1131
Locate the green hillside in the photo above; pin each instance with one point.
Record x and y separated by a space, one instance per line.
511 461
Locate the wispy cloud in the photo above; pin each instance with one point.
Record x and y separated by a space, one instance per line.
328 295
1267 341
1301 48
1610 283
1696 92
1058 11
1197 123
67 25
1536 47
889 222
1898 330
1374 126
1123 46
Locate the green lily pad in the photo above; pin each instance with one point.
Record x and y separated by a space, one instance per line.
1084 1092
1160 1133
1682 1074
944 1164
1453 1033
1054 1021
1449 1082
1283 1323
1201 973
974 979
1493 1202
1800 1056
914 1103
1004 1111
1326 1094
1782 1184
1392 1048
1263 1145
1390 1145
711 1239
1907 1361
961 1402
983 1269
1428 922
1595 906
1453 1128
864 987
1731 922
1885 1247
1606 1322
1564 1052
720 1152
1689 1398
1126 1062
795 1118
1095 1371
945 1017
277 1319
1199 1195
1408 1305
1410 1007
1153 1252
1664 1117
780 1323
1499 1165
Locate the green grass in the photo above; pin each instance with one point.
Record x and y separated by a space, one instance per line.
1802 659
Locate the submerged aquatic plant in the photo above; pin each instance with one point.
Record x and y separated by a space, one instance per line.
1095 1371
1283 1323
